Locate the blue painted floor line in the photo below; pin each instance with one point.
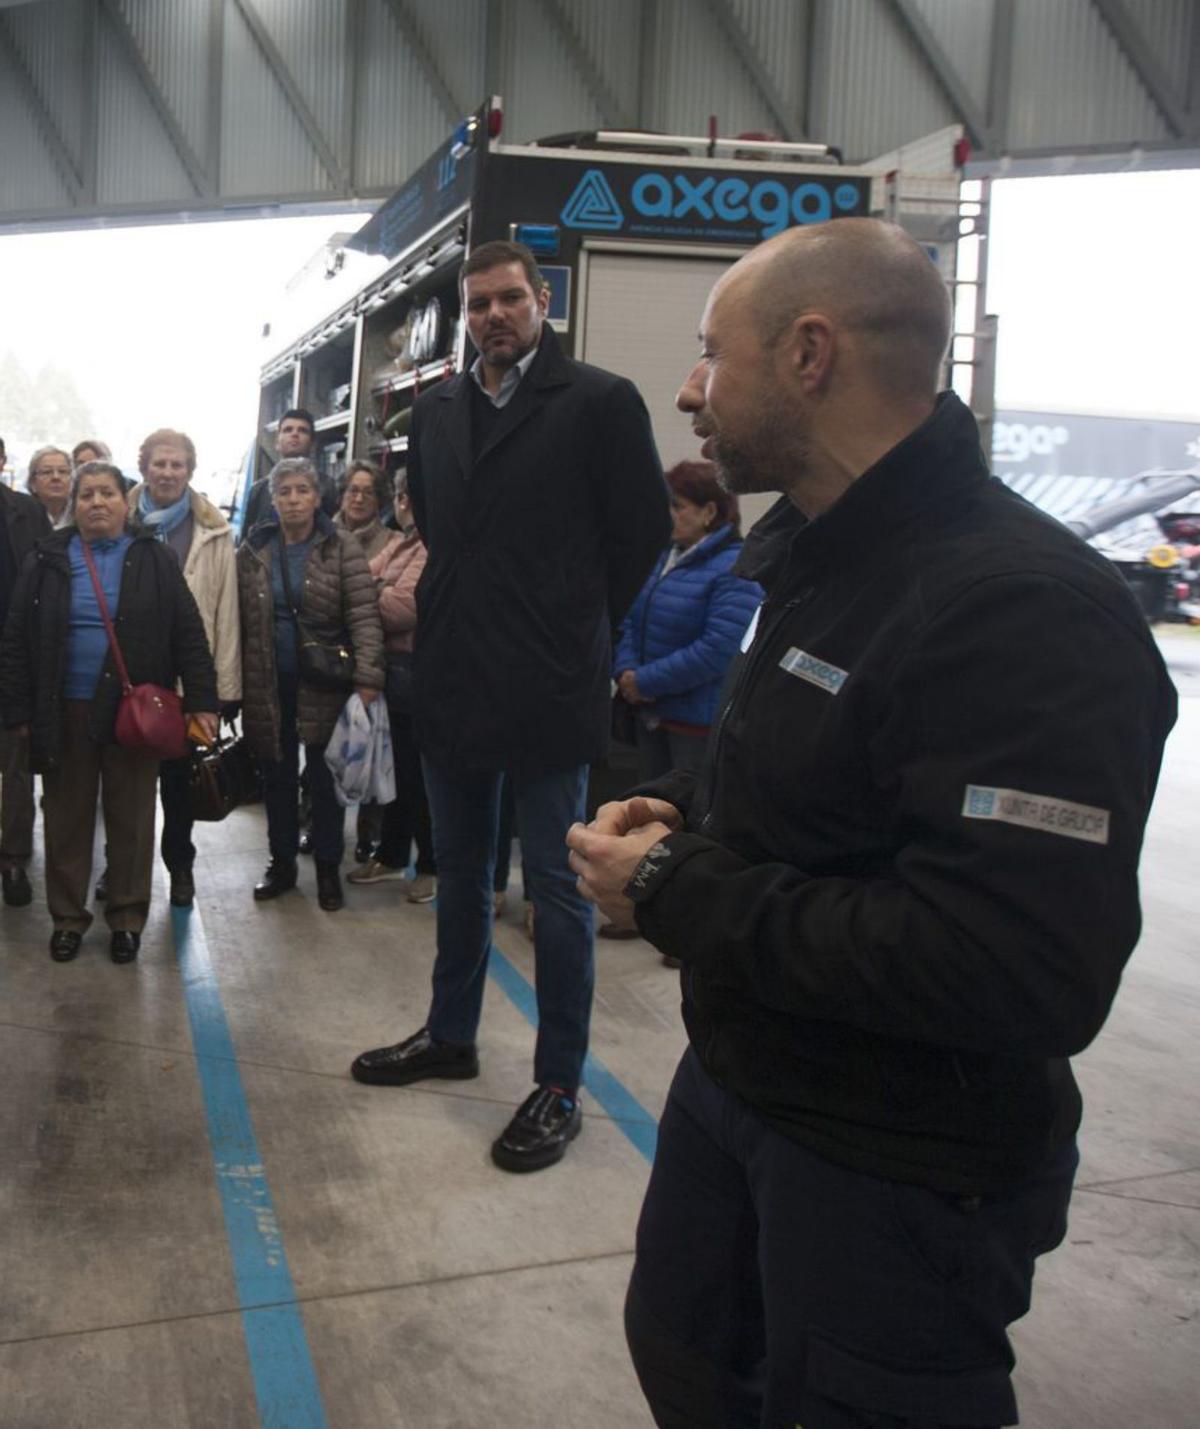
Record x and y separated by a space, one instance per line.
617 1100
285 1381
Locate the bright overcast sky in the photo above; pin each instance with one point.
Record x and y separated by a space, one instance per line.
160 326
1094 278
1097 285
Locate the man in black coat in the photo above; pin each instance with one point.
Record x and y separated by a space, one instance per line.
903 889
23 522
538 491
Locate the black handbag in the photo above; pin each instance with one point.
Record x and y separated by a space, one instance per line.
324 660
222 777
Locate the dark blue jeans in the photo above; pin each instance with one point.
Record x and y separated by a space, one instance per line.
281 791
775 1288
466 808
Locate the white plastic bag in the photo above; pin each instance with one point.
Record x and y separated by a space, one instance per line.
359 754
381 788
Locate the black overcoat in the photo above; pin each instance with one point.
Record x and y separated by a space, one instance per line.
537 549
157 624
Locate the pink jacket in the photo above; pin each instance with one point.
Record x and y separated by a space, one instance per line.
397 569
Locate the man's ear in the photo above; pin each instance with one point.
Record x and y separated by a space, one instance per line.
811 345
543 299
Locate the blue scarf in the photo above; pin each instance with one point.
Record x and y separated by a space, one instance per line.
160 521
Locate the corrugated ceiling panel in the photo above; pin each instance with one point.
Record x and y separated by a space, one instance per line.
699 76
778 31
400 119
264 147
963 29
136 161
49 39
612 36
310 35
173 40
29 177
453 32
874 92
544 92
1167 26
1071 84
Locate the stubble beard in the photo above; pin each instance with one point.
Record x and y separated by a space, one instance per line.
772 456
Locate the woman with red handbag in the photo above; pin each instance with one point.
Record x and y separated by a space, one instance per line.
100 627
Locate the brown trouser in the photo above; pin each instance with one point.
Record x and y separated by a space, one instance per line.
126 780
16 801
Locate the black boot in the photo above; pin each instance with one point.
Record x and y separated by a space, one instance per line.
279 877
329 887
183 888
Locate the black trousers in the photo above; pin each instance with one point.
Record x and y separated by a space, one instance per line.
281 787
406 819
774 1288
178 851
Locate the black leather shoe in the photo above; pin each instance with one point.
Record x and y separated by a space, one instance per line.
545 1124
102 887
329 887
279 877
124 946
416 1059
183 888
17 892
64 945
306 841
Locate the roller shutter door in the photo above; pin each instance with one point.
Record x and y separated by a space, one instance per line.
642 316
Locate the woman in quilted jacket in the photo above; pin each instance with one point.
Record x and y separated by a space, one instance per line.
300 574
686 625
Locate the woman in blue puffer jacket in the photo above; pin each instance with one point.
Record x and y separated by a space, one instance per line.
686 625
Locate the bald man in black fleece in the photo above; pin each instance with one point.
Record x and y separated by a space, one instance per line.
903 889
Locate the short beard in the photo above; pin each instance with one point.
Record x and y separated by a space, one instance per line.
773 457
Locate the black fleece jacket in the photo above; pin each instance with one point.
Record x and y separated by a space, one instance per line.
908 880
157 624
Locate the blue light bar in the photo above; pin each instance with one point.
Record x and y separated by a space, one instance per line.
539 238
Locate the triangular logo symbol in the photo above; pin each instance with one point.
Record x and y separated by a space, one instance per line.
593 205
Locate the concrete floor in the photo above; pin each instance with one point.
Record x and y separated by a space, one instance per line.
434 1290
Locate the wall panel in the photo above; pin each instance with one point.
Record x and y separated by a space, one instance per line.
874 91
1071 80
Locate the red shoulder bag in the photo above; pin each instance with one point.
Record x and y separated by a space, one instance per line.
149 717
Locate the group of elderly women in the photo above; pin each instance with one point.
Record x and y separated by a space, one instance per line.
154 569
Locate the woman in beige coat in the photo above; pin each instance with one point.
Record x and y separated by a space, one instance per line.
165 506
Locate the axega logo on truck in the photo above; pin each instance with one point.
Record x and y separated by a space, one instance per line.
706 198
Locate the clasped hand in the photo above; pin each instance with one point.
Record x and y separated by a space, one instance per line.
605 852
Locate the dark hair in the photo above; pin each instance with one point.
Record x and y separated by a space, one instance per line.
163 437
379 479
3 448
498 253
696 481
95 468
300 414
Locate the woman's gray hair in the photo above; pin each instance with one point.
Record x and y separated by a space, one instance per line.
293 466
379 479
36 458
94 468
